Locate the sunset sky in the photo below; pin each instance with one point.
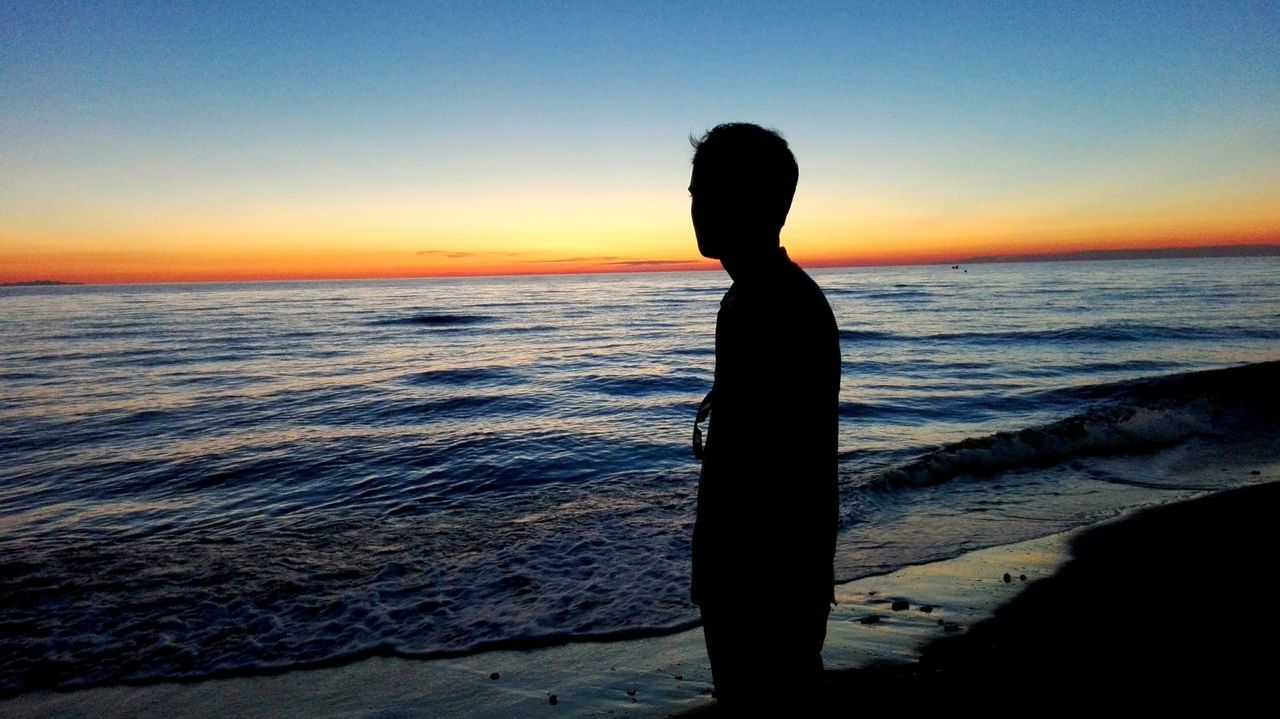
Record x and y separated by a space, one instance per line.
208 141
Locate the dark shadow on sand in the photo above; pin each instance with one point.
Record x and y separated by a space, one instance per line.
1170 608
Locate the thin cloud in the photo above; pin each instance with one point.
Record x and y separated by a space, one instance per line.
640 263
463 255
603 260
617 261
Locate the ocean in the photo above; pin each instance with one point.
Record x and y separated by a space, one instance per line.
205 480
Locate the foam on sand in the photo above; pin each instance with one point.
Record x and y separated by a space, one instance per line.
644 677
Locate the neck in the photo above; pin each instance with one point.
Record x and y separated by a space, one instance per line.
753 264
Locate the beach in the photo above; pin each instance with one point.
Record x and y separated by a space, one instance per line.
1170 605
1162 605
651 677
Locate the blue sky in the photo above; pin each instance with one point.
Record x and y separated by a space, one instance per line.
176 109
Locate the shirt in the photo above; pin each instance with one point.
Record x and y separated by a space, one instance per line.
768 498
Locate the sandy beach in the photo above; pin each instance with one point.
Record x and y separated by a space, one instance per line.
653 677
1169 605
1162 605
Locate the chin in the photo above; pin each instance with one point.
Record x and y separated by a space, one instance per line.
709 250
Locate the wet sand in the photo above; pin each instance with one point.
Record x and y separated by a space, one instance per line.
654 677
1158 607
1165 608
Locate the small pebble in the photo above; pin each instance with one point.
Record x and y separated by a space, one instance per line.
493 675
870 619
1255 472
552 700
679 677
631 692
1007 578
1022 577
927 608
901 604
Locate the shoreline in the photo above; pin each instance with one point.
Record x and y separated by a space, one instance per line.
1164 605
651 677
1124 582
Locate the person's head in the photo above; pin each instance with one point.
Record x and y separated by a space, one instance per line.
744 178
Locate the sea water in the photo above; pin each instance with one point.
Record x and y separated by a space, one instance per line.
208 479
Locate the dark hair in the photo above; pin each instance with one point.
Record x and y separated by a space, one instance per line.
751 162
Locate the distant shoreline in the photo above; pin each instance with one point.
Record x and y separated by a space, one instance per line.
38 283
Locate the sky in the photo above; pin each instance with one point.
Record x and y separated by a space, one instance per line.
147 142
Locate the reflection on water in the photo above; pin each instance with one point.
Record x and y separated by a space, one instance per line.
324 469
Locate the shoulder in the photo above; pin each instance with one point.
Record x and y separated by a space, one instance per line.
805 293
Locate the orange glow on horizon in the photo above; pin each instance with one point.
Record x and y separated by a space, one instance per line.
564 231
157 266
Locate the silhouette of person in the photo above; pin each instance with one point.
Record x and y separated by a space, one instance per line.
768 503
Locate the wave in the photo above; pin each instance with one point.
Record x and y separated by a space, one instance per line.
641 385
1105 333
435 319
527 329
249 597
60 677
1099 333
1137 416
871 335
901 293
418 411
463 376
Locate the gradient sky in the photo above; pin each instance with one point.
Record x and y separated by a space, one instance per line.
167 141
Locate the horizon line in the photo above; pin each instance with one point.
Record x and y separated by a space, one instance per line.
703 265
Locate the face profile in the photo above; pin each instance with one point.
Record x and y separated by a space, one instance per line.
743 180
711 215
